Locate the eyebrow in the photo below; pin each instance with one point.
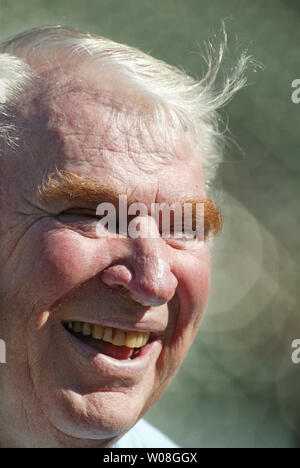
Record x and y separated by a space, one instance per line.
66 186
213 218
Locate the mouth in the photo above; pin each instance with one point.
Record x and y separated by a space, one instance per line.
114 342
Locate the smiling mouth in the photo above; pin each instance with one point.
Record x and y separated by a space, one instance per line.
113 342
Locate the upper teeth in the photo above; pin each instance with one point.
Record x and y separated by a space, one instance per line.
111 335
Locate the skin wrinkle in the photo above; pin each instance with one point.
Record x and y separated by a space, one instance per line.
20 238
119 110
33 386
161 155
102 97
61 434
23 404
120 293
129 115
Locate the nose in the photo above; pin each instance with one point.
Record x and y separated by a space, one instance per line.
146 272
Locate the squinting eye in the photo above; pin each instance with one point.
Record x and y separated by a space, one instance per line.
87 219
80 212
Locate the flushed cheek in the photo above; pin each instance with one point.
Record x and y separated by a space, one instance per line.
47 263
68 259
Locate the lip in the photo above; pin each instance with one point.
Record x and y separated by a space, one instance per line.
107 366
153 328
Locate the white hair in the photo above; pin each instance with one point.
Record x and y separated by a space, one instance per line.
191 104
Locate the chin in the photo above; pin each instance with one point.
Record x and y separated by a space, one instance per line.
100 415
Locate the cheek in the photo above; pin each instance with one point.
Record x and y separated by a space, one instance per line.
58 260
65 257
195 275
69 259
193 270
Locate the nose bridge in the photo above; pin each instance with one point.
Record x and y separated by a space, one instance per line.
147 272
149 261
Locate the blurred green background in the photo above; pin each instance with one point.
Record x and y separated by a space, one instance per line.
238 386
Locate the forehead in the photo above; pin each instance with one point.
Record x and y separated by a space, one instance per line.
106 128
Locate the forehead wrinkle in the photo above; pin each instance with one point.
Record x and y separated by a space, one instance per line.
107 109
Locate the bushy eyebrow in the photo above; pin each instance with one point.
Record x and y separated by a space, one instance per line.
213 219
62 185
67 186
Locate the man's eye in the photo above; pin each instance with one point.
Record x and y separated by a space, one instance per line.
80 212
88 220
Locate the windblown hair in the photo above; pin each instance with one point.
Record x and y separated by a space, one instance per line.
176 97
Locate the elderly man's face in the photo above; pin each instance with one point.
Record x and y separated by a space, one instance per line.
58 386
